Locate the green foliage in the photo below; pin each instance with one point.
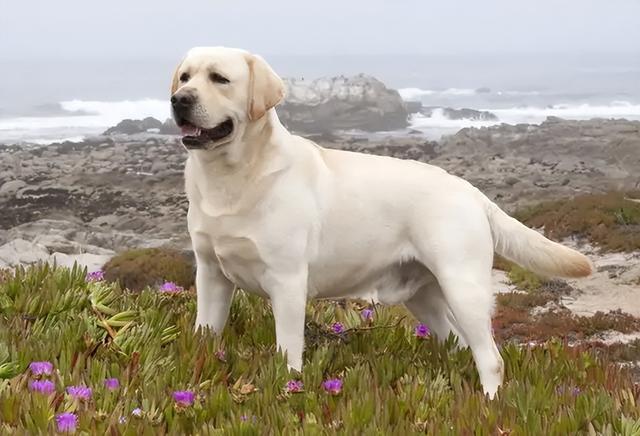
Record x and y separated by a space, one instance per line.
608 220
394 383
137 269
524 279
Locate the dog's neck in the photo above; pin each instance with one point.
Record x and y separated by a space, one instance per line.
228 174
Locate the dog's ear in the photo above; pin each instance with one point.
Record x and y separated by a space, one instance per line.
175 82
266 89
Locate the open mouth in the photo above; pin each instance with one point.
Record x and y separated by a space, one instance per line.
195 137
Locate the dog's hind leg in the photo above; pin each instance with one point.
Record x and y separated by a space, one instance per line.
461 262
429 306
471 302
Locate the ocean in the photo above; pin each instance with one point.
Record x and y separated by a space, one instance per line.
49 100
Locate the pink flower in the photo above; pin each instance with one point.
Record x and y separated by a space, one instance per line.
42 386
41 368
112 384
333 386
170 287
96 276
422 331
184 398
79 392
294 386
67 422
337 328
367 314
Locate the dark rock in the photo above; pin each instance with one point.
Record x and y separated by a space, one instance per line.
169 127
413 107
130 127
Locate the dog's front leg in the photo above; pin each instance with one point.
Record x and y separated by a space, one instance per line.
288 295
214 293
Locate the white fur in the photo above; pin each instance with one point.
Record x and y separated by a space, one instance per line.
277 215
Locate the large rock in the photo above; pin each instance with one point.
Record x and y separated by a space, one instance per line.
342 103
11 187
130 127
21 252
169 127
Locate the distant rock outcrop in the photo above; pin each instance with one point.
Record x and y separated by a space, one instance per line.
321 106
130 127
342 103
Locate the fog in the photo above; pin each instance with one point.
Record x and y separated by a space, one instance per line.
163 29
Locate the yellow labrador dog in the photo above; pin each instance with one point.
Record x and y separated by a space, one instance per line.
277 215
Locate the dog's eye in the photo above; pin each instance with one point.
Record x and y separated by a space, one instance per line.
184 77
217 78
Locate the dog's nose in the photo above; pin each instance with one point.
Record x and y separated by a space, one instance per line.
183 100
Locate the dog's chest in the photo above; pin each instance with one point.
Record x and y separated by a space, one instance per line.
236 247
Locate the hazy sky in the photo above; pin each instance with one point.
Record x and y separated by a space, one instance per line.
161 28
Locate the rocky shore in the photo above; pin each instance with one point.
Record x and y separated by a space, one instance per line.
84 201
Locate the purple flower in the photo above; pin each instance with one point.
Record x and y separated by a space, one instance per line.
332 386
42 386
294 386
170 287
337 328
137 412
79 392
184 398
122 420
422 331
367 314
562 390
112 384
244 418
221 355
96 276
67 422
41 368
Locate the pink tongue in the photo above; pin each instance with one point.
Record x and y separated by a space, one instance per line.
189 130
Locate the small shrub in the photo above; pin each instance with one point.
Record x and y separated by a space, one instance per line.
524 300
137 269
608 220
502 264
524 279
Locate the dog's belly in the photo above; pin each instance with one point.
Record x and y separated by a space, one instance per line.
391 284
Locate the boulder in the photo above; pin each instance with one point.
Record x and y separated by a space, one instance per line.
93 262
11 187
342 103
22 252
169 127
130 127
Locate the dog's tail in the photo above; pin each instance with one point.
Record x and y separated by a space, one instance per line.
530 249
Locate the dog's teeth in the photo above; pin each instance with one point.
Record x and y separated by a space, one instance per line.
197 132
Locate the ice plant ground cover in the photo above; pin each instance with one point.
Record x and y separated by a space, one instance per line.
172 380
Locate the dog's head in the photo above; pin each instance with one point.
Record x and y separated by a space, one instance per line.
216 92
